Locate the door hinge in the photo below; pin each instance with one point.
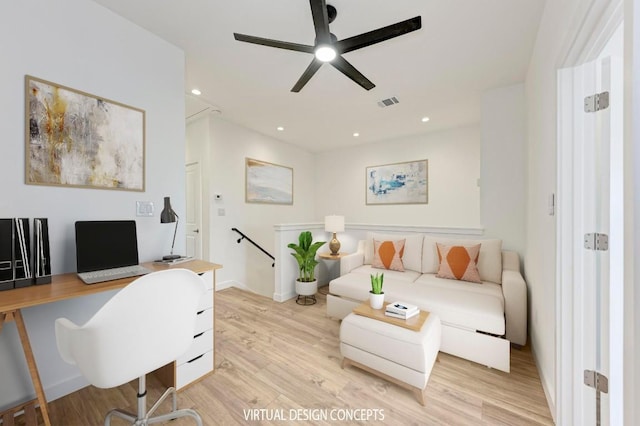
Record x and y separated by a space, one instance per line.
595 380
596 241
596 102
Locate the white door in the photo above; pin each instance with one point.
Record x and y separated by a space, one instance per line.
595 251
194 211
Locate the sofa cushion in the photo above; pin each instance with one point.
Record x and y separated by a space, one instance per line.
412 256
388 255
407 276
357 284
487 288
459 262
458 303
489 261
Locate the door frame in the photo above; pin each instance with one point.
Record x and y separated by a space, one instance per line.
632 209
200 213
593 25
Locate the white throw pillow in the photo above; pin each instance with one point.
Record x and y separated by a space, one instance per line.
412 256
489 262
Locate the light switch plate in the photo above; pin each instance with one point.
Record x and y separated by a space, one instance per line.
144 208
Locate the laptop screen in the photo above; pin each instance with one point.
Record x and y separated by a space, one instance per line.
106 244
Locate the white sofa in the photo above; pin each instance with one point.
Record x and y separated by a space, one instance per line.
479 321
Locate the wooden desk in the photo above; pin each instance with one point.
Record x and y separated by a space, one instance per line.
62 287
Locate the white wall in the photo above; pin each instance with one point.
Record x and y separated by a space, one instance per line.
540 253
229 145
82 45
503 166
454 170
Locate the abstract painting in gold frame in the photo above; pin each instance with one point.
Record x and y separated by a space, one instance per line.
80 140
268 183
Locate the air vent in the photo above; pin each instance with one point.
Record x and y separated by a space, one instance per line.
388 102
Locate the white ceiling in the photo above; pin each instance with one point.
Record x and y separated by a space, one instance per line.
464 48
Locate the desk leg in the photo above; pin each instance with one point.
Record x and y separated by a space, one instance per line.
31 363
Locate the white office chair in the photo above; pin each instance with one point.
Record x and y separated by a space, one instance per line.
146 325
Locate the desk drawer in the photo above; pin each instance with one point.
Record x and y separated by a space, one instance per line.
201 344
204 321
208 279
194 369
207 301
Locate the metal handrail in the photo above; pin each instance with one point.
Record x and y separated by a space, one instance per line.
244 237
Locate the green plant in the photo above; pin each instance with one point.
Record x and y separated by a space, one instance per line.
305 254
376 283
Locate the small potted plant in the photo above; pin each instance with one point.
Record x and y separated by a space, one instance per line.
305 254
376 295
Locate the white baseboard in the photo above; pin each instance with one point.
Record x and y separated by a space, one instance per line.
545 383
65 387
283 297
231 283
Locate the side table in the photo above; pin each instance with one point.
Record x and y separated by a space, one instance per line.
328 256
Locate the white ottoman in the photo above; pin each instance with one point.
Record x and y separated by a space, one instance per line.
397 354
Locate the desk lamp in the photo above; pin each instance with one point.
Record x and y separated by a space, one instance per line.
334 224
169 216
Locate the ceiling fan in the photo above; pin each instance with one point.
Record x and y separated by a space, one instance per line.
328 48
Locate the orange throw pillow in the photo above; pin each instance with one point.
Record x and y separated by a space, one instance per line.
388 255
459 262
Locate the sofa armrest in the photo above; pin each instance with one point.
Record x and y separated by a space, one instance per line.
514 290
351 261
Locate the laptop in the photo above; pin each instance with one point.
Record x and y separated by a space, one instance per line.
107 250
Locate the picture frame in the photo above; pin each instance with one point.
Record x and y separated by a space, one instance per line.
76 139
398 183
268 183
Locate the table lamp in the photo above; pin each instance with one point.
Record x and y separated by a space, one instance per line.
334 224
169 216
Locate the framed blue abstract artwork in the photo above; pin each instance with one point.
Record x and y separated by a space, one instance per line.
398 183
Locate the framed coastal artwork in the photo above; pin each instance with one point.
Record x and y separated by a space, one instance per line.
80 140
268 183
398 183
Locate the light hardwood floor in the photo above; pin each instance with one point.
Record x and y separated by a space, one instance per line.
282 357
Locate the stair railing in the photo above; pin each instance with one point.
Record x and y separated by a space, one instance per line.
244 237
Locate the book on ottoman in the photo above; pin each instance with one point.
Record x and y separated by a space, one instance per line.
401 316
401 310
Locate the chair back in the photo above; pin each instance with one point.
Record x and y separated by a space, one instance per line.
147 324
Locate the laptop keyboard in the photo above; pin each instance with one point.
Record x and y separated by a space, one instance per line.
103 275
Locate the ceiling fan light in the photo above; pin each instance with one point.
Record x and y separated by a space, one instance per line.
325 53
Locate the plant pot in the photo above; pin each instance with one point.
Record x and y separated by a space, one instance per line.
306 288
376 300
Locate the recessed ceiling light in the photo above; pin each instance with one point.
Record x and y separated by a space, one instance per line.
196 92
356 134
425 119
280 128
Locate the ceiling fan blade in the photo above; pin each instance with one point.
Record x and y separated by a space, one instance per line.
274 43
379 35
349 70
307 74
320 21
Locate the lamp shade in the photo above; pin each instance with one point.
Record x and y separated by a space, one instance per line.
334 223
168 215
